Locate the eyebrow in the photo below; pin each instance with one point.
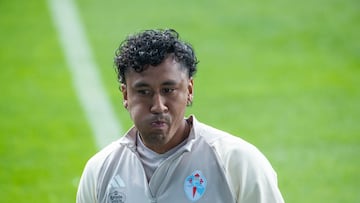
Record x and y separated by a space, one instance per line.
141 84
144 84
169 83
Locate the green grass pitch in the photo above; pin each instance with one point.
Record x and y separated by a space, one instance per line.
284 75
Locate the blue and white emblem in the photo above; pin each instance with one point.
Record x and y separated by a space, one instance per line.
195 186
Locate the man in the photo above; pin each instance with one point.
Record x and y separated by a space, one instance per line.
166 157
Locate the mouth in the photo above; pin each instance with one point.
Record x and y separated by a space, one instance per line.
158 124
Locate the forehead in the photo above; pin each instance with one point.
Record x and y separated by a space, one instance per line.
168 70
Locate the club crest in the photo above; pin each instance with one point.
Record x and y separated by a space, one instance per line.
195 186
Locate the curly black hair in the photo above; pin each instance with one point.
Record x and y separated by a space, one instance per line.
151 47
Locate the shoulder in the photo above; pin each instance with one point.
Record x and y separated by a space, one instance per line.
232 149
97 160
99 164
89 179
96 163
225 143
248 171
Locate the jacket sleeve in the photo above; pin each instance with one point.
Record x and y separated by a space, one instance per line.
249 173
87 187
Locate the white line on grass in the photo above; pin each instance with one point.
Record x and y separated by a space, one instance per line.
84 71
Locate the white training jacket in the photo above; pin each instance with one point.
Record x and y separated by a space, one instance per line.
212 167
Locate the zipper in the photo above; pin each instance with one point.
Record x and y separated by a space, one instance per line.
163 171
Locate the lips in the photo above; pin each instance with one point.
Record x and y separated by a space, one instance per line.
158 122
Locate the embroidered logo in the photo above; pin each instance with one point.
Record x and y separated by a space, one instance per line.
115 189
195 186
117 197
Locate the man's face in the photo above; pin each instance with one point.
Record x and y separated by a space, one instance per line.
156 99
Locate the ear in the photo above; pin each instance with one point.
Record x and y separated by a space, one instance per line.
190 91
125 96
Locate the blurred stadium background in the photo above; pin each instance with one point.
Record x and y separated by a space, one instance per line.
283 75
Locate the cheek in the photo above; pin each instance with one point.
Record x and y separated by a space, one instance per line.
183 98
178 104
136 110
137 103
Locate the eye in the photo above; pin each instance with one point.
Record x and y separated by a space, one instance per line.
143 92
168 90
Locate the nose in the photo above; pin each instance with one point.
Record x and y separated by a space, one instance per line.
158 104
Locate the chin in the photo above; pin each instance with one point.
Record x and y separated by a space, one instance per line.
154 138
